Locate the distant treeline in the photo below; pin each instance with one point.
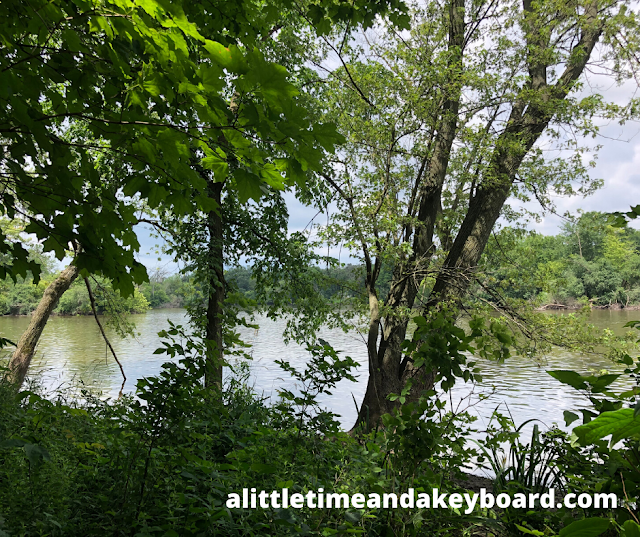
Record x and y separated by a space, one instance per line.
588 261
22 297
346 281
175 291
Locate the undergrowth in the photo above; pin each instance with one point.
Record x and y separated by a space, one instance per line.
164 462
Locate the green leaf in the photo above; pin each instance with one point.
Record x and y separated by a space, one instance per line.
570 417
5 342
217 165
587 527
263 468
573 379
212 77
598 384
230 58
248 185
353 517
36 453
619 424
530 532
13 442
630 529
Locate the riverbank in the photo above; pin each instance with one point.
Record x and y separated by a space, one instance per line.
170 466
72 352
23 296
576 307
90 313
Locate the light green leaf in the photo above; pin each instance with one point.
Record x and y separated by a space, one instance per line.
231 58
530 532
619 424
217 165
587 527
630 529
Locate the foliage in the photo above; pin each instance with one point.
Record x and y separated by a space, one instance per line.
163 463
616 415
546 461
108 301
589 260
23 296
173 291
109 106
526 467
342 282
448 128
146 87
322 372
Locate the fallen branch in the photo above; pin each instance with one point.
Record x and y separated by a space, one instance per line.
95 315
554 307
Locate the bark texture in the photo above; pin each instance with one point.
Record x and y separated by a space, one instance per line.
21 359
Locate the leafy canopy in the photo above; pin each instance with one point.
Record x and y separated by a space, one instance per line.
149 88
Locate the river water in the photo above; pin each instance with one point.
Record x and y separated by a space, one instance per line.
72 355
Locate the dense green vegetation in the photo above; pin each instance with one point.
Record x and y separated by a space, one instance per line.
23 296
175 291
590 260
164 463
195 118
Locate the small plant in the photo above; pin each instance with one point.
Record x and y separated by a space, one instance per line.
614 415
322 374
523 467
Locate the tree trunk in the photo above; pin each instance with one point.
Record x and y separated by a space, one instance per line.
526 123
19 364
388 370
214 358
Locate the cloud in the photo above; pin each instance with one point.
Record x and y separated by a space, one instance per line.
618 165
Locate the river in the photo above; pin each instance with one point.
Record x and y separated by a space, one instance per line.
73 355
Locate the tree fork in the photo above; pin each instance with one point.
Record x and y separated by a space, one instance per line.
389 372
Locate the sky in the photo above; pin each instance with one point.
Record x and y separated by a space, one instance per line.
617 164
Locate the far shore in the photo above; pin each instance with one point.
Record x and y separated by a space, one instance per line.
575 307
89 314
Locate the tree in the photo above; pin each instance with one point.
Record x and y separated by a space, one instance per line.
445 125
26 346
151 91
207 240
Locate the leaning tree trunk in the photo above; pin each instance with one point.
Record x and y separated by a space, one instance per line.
387 372
19 364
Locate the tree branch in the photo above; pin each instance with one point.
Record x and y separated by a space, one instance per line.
95 315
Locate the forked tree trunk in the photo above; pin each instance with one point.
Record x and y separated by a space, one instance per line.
387 372
388 369
21 359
